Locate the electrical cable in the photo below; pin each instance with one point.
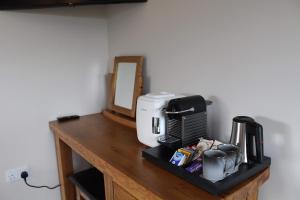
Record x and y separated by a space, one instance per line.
24 176
42 186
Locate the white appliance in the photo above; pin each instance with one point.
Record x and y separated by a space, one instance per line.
150 119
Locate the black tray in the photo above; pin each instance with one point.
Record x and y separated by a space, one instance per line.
161 155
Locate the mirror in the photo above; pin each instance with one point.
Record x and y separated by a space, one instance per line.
125 81
127 84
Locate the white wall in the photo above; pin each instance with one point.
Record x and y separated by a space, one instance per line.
244 55
52 62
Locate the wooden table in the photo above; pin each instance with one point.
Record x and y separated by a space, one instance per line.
115 151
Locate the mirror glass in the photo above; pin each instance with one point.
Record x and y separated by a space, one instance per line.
125 82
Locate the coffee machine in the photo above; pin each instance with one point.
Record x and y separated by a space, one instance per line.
245 133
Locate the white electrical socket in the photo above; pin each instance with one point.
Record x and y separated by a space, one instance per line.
13 175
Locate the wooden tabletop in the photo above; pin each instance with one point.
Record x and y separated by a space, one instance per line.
107 144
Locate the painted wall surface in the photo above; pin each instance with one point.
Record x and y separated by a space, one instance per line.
52 62
243 55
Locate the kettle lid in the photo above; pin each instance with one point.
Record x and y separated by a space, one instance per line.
243 119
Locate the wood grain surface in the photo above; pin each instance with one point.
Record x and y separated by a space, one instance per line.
126 121
121 194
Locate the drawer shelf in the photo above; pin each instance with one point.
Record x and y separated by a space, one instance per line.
90 182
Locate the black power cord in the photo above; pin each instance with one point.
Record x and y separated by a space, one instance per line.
24 176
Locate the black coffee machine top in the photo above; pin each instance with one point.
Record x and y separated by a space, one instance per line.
186 121
185 106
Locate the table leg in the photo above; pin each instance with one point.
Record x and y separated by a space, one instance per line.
65 168
109 190
253 195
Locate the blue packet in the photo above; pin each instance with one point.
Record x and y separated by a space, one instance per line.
178 158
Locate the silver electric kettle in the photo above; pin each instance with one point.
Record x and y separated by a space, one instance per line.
245 131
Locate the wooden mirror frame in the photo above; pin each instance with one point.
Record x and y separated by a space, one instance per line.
138 86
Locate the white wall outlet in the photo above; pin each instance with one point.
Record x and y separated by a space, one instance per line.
13 175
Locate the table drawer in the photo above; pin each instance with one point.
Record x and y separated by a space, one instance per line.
121 194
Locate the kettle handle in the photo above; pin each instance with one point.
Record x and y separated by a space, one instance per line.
259 143
259 146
